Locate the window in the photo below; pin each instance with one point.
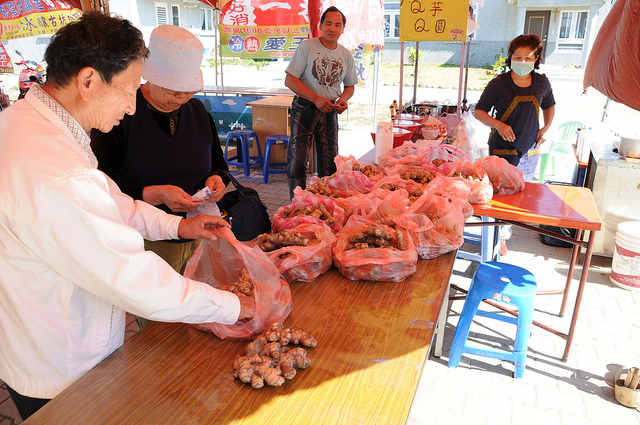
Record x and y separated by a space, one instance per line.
573 25
392 20
175 15
573 29
206 16
161 14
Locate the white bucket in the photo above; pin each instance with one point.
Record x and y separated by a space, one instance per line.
625 267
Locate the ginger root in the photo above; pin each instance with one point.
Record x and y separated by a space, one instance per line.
322 188
318 211
269 359
271 241
243 287
376 237
419 176
367 170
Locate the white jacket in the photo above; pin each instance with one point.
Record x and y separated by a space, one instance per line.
72 258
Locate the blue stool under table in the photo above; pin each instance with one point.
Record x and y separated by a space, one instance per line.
242 158
277 140
504 283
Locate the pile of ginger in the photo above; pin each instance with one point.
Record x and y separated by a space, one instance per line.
244 287
269 359
376 237
318 211
272 241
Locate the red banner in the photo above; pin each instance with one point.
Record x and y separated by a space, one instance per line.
6 67
27 18
364 21
263 28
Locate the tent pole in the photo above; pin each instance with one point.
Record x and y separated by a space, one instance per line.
460 79
216 37
401 75
466 76
415 73
376 77
605 112
220 56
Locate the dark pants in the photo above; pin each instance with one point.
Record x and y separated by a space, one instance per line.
27 406
308 126
176 254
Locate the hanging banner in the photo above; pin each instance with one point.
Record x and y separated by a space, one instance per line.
263 28
444 20
365 22
27 18
261 42
6 67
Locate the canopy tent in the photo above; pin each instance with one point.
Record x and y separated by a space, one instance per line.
614 61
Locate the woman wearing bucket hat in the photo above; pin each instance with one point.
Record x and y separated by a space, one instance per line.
169 149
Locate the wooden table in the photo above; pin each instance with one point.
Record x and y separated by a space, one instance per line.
373 340
271 117
554 205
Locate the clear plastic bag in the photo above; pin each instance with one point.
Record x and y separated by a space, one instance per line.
377 264
506 179
281 221
476 179
448 221
305 263
219 263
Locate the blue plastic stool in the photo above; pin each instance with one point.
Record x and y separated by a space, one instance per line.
242 158
505 283
277 139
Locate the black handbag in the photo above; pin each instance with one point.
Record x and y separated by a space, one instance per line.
246 212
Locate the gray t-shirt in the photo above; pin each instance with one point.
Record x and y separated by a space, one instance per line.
322 70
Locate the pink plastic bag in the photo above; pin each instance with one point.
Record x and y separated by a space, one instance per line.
378 264
407 154
506 179
305 263
448 221
346 184
219 263
441 158
280 220
427 240
476 179
454 188
344 165
395 182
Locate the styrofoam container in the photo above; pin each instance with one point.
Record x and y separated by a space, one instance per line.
625 266
430 134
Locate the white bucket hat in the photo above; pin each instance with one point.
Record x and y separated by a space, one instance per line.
175 57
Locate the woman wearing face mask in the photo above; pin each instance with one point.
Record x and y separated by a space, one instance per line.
516 98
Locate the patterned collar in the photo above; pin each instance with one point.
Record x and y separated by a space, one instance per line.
81 137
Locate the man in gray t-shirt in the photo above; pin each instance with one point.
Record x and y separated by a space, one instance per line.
318 69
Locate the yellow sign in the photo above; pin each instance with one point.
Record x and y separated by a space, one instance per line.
46 22
422 20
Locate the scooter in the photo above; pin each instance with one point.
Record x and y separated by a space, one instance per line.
32 73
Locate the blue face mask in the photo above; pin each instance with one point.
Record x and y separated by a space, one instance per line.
522 68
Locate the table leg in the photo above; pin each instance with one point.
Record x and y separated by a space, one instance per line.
583 279
574 258
442 320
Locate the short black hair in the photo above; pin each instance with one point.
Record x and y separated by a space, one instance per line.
333 9
531 41
97 40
